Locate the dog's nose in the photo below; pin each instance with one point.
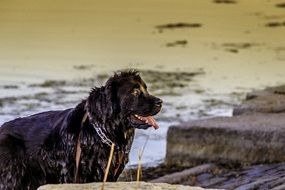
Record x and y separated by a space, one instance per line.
158 102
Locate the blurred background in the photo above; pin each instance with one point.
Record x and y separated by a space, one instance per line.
200 57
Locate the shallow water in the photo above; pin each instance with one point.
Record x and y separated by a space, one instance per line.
74 46
183 97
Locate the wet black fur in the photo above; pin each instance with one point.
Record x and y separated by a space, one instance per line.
40 149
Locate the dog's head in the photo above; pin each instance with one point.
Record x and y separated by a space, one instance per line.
125 96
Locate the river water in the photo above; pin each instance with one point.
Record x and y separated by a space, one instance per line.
200 57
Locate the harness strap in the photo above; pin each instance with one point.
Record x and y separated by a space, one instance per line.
78 151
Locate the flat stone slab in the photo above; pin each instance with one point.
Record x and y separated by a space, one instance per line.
245 139
119 186
269 100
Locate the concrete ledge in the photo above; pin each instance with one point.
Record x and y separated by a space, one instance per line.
245 139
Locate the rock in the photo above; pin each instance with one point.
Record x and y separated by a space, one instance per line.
267 91
269 100
262 176
245 139
273 103
178 177
281 187
118 186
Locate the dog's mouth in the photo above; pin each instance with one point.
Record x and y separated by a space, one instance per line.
142 122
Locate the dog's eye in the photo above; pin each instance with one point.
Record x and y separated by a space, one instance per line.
136 92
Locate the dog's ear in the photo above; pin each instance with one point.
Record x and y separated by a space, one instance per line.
111 97
101 103
95 104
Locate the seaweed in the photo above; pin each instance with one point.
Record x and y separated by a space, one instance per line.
225 1
10 86
8 100
83 67
235 47
239 45
275 24
179 25
168 83
280 5
50 83
177 43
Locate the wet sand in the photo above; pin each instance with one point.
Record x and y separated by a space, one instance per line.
44 39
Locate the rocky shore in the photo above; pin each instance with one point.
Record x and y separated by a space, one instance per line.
245 151
242 152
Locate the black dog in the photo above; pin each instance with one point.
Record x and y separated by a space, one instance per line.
42 148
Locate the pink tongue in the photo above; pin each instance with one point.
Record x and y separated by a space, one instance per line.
152 122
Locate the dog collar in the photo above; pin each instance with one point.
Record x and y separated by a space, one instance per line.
100 132
102 135
103 138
